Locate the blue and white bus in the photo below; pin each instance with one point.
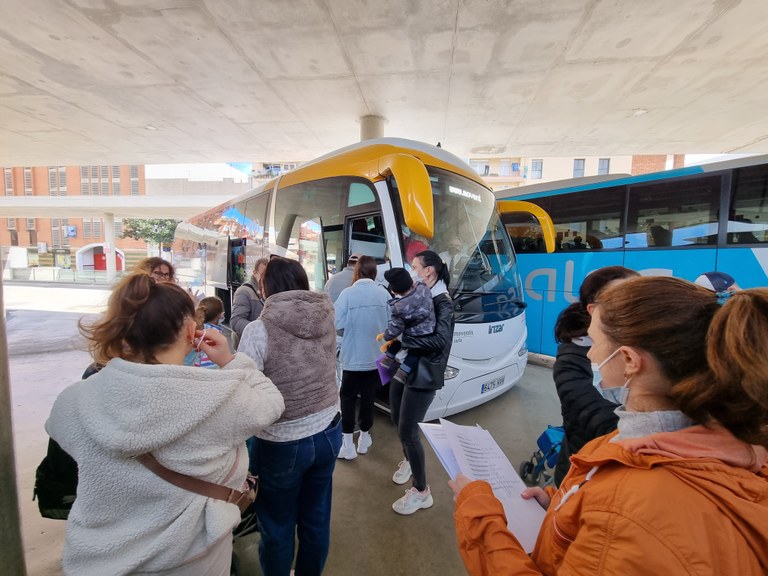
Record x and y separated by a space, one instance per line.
679 222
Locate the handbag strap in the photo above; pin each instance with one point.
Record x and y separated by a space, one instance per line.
196 485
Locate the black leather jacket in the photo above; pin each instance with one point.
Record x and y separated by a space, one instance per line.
433 349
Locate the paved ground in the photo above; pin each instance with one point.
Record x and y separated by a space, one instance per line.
46 354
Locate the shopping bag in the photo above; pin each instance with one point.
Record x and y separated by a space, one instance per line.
385 374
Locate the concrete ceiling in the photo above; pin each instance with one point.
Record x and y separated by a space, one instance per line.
154 81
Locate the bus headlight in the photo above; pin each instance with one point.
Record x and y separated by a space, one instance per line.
450 372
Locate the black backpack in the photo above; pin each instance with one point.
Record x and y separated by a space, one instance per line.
56 476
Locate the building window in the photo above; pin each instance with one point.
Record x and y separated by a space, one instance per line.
53 188
95 180
603 166
84 182
578 167
30 223
118 228
104 187
86 227
63 180
32 237
10 223
537 168
58 237
27 181
134 180
115 180
8 182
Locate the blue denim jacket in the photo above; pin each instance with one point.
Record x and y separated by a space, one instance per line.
362 312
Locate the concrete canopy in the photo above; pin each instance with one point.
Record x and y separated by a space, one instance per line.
155 81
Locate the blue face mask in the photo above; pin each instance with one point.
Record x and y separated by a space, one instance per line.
192 357
615 394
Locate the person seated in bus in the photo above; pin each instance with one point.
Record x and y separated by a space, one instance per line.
587 410
411 313
659 236
248 301
578 243
413 243
456 257
682 486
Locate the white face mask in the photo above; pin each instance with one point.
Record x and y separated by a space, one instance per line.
415 276
615 394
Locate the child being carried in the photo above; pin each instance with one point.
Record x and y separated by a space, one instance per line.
413 313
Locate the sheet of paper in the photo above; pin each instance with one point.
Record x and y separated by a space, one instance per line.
480 458
439 442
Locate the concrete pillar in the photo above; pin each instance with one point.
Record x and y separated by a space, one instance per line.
109 240
11 548
372 127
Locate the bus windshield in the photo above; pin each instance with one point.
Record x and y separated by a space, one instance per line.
474 244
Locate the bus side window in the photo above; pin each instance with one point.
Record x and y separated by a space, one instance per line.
525 232
588 220
748 214
680 213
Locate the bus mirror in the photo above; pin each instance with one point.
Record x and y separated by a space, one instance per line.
415 191
547 226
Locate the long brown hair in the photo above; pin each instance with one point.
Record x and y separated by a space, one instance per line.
142 318
714 357
735 389
148 265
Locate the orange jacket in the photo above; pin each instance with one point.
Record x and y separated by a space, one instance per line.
691 502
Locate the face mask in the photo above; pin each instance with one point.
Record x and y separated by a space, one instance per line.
415 276
612 394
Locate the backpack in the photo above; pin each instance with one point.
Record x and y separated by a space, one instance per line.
55 483
56 476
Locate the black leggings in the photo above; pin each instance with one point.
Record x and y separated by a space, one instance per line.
409 406
352 384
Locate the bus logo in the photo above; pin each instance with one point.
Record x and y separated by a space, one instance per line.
495 328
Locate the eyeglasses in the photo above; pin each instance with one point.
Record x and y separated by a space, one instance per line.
161 275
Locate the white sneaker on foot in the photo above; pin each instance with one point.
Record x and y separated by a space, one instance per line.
413 501
347 451
364 441
403 473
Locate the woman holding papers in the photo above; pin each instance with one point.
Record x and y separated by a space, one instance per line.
409 402
682 486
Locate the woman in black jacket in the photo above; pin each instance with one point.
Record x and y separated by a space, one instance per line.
409 403
586 413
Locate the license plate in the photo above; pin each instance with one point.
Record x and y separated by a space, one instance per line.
488 386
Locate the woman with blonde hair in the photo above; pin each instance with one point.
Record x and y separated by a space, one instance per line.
144 404
681 487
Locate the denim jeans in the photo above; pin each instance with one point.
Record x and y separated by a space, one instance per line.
353 384
408 407
295 488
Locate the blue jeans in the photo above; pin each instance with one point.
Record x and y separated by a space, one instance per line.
295 488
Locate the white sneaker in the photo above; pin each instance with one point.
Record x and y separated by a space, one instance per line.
413 501
403 473
347 451
364 441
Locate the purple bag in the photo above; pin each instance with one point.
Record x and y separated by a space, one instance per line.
385 374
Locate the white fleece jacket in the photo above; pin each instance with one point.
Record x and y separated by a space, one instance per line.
195 421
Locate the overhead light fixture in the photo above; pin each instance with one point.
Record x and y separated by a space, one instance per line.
150 127
639 111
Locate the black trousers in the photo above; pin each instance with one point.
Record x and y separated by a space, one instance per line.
409 406
354 384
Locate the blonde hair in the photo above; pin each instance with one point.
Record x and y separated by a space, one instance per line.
208 310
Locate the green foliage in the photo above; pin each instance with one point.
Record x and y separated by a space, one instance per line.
157 231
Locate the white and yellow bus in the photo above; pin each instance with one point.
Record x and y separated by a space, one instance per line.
388 198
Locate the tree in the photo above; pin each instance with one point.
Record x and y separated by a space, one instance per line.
158 231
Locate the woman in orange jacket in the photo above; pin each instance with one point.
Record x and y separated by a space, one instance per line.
682 486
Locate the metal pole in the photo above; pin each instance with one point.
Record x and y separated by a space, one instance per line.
371 127
109 242
11 548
